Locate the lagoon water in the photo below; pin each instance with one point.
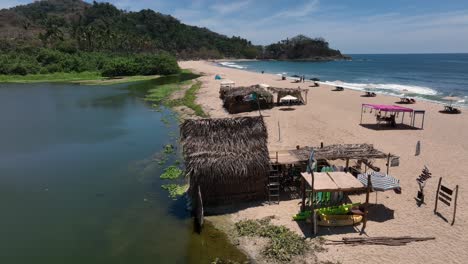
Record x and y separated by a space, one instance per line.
426 76
79 180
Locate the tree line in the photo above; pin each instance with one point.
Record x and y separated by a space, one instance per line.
74 36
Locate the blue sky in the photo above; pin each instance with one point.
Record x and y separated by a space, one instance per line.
353 26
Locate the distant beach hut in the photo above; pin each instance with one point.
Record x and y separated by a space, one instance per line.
299 93
227 84
245 99
231 164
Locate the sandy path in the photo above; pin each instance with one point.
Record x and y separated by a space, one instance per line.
333 117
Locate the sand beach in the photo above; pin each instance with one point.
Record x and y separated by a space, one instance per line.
333 118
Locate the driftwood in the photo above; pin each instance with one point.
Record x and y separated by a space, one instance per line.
385 241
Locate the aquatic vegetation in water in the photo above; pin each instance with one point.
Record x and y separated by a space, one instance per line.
175 190
165 121
284 243
171 173
168 149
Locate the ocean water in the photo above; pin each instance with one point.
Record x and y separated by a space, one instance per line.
424 76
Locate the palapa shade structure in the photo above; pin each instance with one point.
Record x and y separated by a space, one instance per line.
228 158
299 93
241 99
341 151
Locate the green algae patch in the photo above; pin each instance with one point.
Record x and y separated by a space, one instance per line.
171 173
175 190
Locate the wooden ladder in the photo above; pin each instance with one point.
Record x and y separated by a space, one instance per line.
274 184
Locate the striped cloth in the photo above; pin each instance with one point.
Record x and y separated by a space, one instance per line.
380 181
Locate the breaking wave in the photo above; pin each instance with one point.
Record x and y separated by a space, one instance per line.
395 89
231 65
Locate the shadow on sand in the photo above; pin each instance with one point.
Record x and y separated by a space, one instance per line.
388 127
287 109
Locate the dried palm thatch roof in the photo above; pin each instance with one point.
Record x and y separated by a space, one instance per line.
278 90
227 93
228 158
234 99
341 151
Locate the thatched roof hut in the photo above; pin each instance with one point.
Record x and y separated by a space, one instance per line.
239 99
296 92
228 158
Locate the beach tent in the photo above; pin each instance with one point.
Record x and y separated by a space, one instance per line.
382 110
217 77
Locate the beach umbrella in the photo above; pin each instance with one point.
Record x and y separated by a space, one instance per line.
288 98
452 99
380 181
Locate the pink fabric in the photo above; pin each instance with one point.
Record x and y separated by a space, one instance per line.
388 108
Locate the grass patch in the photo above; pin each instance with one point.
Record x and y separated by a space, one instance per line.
284 243
83 78
52 77
162 92
109 81
171 173
189 100
175 190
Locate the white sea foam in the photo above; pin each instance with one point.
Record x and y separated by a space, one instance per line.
396 89
231 65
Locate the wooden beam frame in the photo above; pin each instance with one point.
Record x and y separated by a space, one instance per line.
366 205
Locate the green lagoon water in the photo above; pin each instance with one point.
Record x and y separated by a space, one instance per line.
79 180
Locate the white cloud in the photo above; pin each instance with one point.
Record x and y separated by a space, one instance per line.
226 8
301 11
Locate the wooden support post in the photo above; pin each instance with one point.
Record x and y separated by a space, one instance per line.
403 117
455 205
303 190
321 144
314 229
388 163
366 205
347 164
279 132
362 109
437 195
306 92
277 157
422 125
